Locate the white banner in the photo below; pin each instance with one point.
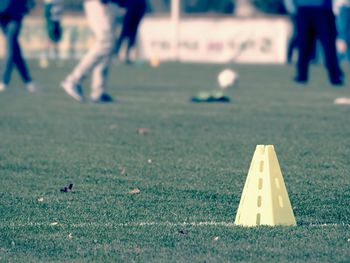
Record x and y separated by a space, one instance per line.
217 40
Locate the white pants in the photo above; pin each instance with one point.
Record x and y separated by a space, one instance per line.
101 20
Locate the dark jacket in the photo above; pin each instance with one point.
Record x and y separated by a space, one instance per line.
314 3
15 9
4 5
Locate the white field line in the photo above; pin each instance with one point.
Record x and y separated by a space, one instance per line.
144 224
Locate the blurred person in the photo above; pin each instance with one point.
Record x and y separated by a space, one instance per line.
52 13
292 45
135 10
315 19
101 20
341 10
11 16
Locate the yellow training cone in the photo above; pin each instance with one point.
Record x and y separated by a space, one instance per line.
264 199
154 61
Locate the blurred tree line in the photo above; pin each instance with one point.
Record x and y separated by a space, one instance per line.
200 6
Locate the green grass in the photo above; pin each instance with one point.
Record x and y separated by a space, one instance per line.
200 157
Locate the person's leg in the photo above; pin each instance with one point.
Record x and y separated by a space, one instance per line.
293 40
3 86
138 9
134 24
101 70
14 56
132 35
122 36
314 54
11 30
306 38
326 30
14 53
347 32
340 21
19 60
7 64
117 17
99 22
55 37
99 78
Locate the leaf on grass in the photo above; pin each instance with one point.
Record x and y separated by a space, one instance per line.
122 170
113 126
67 189
183 232
143 131
135 191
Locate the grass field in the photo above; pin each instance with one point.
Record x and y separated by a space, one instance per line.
190 168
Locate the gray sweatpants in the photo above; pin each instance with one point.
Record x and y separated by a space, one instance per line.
101 20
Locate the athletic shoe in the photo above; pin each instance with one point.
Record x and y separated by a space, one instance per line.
73 90
300 80
3 87
32 87
102 98
338 81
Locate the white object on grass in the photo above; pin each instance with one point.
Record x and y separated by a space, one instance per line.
227 78
342 101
